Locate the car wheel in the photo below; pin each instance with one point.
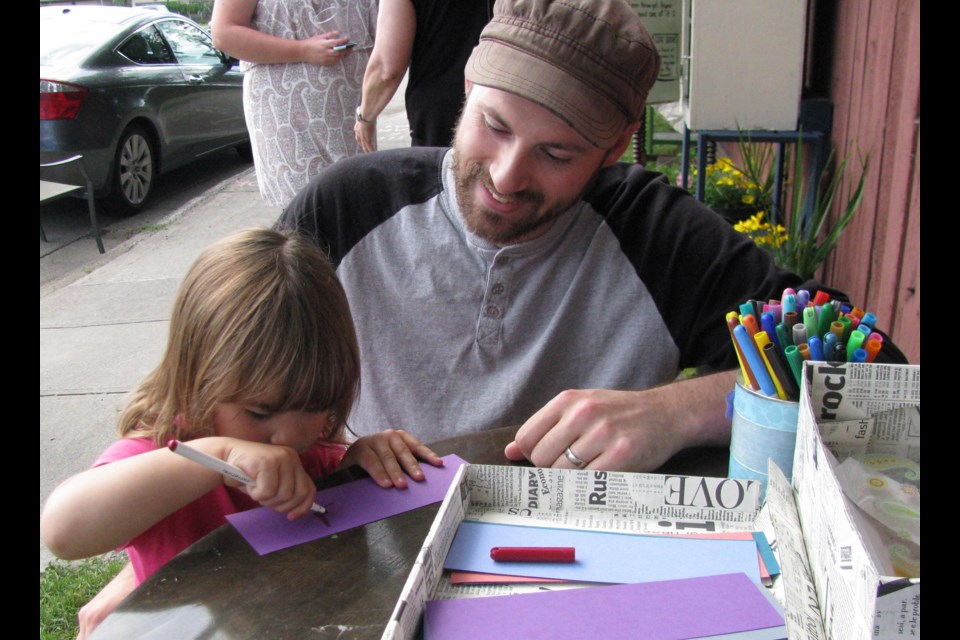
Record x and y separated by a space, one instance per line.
135 169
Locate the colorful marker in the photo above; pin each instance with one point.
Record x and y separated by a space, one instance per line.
816 348
840 352
846 322
750 322
827 316
856 341
733 321
768 324
795 361
534 554
829 343
799 334
784 335
762 340
783 299
810 321
754 360
782 371
210 462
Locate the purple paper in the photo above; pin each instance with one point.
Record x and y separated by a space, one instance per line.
351 505
668 610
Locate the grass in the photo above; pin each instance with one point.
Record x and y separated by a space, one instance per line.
65 587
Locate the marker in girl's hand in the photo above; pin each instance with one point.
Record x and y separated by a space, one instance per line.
227 469
208 461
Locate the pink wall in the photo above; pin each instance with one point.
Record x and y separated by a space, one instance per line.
875 88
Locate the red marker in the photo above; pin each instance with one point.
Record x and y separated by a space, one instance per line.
534 554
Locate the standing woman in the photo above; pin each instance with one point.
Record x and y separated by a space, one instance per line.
300 86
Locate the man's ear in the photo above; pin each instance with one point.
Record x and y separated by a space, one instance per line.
466 86
615 151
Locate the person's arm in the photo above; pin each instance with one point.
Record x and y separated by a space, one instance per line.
101 605
627 430
396 29
386 455
232 33
105 507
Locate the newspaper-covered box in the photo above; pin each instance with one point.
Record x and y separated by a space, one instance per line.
614 502
844 408
828 577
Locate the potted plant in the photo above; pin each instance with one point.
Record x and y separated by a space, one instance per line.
802 235
733 193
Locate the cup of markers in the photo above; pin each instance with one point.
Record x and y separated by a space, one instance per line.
772 340
763 427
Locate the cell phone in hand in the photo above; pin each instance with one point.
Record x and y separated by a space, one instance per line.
345 46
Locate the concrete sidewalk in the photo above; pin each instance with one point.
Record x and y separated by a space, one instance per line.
103 332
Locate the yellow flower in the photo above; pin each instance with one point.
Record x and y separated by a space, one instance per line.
748 226
748 198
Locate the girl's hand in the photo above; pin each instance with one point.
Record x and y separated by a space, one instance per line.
280 481
93 613
386 455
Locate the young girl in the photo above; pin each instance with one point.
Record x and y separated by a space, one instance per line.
261 370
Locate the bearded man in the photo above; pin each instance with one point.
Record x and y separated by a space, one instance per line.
526 276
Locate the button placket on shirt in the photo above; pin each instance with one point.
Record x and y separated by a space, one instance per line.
494 304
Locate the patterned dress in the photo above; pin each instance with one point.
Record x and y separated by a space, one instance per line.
300 115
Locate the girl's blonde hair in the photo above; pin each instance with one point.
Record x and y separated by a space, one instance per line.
260 314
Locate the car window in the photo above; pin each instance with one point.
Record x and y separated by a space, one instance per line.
190 45
147 46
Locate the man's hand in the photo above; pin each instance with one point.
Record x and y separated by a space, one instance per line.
386 455
366 135
626 430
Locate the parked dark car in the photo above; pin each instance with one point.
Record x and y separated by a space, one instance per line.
137 92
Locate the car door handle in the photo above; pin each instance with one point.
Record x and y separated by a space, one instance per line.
195 79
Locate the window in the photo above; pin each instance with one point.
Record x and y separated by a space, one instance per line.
147 47
190 45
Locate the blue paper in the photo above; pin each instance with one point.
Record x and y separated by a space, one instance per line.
766 553
601 556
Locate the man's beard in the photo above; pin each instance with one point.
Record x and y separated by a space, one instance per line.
492 226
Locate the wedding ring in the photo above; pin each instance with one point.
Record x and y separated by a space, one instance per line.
574 460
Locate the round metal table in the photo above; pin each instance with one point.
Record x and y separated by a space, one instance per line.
343 586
